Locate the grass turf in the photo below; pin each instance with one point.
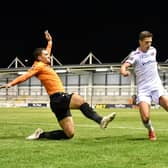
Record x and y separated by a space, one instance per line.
124 144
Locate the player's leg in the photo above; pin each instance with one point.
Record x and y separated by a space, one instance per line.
60 107
59 104
78 102
144 109
67 124
67 131
163 101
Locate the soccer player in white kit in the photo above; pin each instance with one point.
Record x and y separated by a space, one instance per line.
149 85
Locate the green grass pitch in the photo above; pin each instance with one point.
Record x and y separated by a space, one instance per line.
124 144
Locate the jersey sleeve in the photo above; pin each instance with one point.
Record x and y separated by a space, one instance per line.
31 72
131 58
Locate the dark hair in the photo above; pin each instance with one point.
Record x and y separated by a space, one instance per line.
37 52
144 34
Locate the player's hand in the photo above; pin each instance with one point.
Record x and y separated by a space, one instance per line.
5 86
126 73
47 35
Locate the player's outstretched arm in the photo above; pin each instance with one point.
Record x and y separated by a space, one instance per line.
49 40
5 86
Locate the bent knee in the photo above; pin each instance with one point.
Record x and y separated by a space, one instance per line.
163 101
76 101
70 135
166 106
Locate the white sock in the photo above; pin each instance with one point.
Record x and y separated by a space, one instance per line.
148 125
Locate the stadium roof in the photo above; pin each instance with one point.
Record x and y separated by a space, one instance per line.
77 68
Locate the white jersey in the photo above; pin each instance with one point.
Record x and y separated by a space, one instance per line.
146 70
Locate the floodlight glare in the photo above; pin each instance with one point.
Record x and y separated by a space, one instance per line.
61 70
101 69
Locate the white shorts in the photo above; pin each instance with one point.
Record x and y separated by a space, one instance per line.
150 96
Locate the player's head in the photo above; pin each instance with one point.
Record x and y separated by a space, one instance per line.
144 34
145 40
41 54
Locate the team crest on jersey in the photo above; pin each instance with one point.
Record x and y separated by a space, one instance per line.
137 52
130 58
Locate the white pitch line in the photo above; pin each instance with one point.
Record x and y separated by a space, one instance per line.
81 125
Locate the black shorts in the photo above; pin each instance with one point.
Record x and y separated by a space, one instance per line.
59 104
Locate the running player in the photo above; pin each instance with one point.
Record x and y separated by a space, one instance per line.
149 85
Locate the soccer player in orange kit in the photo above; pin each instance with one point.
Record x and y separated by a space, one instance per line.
60 101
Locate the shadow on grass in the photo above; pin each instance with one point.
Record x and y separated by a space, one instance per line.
12 137
137 139
99 139
107 139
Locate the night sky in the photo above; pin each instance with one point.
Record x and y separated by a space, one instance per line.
77 29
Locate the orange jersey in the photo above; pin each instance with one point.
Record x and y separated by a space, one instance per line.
45 74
